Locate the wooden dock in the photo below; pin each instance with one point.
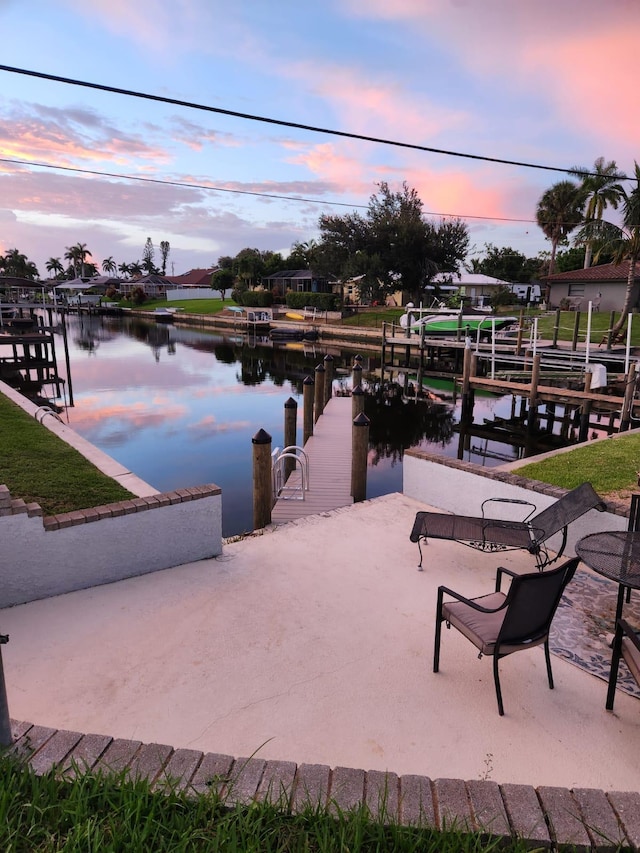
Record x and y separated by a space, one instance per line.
329 452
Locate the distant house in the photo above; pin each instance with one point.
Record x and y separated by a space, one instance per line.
193 278
603 285
153 285
475 287
300 281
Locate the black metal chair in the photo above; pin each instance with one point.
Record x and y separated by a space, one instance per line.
494 534
500 624
626 645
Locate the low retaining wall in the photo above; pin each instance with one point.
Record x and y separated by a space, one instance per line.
45 556
460 487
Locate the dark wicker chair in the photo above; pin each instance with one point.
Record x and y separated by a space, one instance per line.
626 645
494 534
500 624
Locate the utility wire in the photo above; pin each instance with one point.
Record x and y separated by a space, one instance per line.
214 188
324 130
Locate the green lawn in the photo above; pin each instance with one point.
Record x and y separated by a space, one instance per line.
38 466
610 466
190 306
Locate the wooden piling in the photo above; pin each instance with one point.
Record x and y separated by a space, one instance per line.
319 392
576 329
556 329
307 408
290 430
360 450
356 374
627 404
533 393
262 483
585 409
328 377
357 401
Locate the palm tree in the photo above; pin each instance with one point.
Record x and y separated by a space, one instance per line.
124 268
109 265
14 263
559 212
623 242
55 268
601 188
77 255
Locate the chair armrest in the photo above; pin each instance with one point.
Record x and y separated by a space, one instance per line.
469 601
532 509
502 571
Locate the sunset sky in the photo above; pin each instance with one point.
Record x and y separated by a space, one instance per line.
550 82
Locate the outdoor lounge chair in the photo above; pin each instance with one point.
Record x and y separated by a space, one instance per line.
626 645
499 624
494 534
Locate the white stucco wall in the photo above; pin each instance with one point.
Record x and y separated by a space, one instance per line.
38 563
444 485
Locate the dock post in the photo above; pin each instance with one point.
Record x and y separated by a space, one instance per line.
307 408
627 405
357 401
466 413
328 377
5 722
556 329
585 410
290 429
383 351
533 393
612 322
360 449
319 392
576 329
262 484
356 374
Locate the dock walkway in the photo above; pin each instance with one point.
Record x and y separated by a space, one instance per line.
329 453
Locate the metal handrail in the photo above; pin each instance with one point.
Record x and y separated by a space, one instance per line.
281 486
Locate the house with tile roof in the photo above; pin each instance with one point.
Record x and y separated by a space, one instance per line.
193 278
603 285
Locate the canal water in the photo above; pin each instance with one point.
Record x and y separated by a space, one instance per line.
179 406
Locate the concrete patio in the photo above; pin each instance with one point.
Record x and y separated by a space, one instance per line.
313 643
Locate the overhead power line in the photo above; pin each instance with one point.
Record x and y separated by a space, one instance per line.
214 188
282 123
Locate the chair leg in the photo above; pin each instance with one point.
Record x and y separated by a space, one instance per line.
548 660
496 678
436 643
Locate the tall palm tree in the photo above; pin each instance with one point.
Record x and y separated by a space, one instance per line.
124 268
54 267
109 265
601 186
559 211
623 242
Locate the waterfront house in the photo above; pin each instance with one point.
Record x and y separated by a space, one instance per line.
603 285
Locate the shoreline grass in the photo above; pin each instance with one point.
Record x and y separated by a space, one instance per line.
37 466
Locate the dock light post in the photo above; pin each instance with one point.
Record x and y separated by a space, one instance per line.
5 723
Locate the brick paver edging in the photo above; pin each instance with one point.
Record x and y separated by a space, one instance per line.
550 817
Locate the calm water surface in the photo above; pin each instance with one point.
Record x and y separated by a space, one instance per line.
179 407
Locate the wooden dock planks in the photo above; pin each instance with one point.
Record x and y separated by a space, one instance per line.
329 452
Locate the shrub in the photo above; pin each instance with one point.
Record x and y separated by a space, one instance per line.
253 298
321 301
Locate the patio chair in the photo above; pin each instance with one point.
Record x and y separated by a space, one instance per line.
493 534
626 645
500 624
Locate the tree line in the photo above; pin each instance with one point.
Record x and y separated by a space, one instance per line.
393 246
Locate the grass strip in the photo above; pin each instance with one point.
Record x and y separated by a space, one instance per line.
39 467
610 465
116 813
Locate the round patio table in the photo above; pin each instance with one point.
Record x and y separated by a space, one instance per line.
614 554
